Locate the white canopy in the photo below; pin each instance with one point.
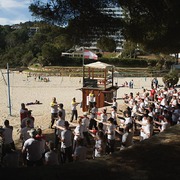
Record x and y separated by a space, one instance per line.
99 65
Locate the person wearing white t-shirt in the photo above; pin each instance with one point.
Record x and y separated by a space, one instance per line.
110 136
66 143
59 122
78 133
54 111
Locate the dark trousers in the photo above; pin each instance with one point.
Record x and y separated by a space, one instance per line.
74 114
93 123
66 154
110 146
34 163
86 138
56 139
53 117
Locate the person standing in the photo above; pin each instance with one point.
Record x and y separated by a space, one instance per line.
24 135
127 137
104 118
78 133
110 136
91 100
59 123
54 111
8 136
85 123
66 143
30 118
61 108
51 156
32 150
74 109
23 112
93 116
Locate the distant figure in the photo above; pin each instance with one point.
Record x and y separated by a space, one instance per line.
131 84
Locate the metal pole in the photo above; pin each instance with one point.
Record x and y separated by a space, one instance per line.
83 66
9 98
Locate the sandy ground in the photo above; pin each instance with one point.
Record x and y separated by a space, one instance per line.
25 89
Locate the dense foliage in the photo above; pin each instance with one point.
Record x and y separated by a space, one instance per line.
154 24
28 43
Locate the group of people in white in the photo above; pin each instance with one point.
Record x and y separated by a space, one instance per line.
146 111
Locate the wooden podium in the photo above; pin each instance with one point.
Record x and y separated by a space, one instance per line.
98 77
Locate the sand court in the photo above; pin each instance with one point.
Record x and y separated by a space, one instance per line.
28 89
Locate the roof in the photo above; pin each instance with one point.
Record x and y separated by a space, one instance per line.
99 65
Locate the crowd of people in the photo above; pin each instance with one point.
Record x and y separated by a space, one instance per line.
96 132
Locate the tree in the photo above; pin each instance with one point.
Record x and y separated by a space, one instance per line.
82 18
171 79
106 44
155 24
129 49
50 54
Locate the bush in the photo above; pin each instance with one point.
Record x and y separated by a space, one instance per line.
171 79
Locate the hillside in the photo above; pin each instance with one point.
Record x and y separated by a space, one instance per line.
156 158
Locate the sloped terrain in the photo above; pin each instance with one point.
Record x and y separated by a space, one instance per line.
156 158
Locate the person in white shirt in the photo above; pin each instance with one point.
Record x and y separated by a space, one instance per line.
59 122
51 156
54 111
110 136
85 123
66 143
127 137
8 135
104 118
80 152
74 109
93 116
163 124
32 150
78 133
61 108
